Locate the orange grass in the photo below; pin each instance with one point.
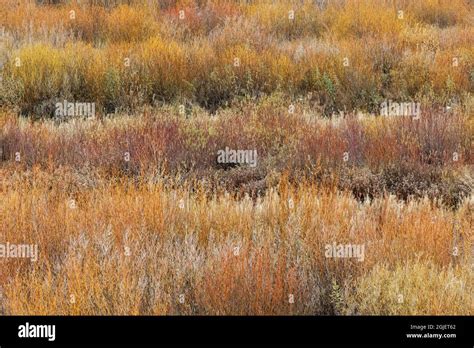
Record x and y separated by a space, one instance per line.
225 256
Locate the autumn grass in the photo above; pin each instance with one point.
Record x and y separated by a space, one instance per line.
348 55
365 154
124 248
133 214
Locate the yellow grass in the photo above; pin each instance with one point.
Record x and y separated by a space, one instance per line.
291 46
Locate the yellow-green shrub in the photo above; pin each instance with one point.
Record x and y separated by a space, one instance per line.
163 67
39 72
361 18
290 19
414 288
129 24
440 13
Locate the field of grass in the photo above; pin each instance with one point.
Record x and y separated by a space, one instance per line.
140 248
132 210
